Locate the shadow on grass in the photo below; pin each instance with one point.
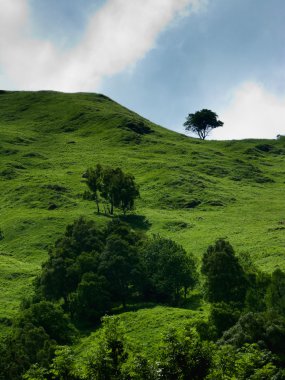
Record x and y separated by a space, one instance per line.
193 302
134 307
137 221
86 328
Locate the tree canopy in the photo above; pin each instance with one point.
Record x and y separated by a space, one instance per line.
92 269
113 186
225 277
202 122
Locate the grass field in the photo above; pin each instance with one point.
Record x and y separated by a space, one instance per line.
191 191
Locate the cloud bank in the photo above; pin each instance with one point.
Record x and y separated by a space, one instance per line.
253 112
116 37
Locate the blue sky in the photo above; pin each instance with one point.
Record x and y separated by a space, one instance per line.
161 58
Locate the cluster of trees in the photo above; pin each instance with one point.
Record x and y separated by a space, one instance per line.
92 270
112 186
34 337
247 308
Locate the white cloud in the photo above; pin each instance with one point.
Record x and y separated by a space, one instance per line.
253 112
117 36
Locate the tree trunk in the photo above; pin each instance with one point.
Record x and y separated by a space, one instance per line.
98 208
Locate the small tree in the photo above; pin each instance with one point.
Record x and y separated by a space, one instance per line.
184 356
202 122
117 188
129 191
110 355
94 182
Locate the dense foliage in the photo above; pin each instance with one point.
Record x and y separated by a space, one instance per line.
225 277
92 271
113 186
202 122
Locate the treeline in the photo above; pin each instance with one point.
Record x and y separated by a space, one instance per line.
112 188
91 270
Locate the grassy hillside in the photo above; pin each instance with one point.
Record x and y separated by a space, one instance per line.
144 330
191 191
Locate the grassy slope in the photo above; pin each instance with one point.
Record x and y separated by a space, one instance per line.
144 330
49 139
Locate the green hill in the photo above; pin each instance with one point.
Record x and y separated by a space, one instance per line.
191 191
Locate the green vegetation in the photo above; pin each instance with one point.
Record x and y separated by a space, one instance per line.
93 271
196 197
112 185
225 278
202 122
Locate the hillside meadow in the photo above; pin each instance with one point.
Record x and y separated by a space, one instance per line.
192 191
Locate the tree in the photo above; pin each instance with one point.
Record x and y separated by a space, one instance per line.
51 318
94 182
129 191
91 299
117 188
184 356
265 328
61 273
168 269
111 354
120 265
202 122
225 277
223 316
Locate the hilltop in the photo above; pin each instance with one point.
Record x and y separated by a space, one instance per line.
191 191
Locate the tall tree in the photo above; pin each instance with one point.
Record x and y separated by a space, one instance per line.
202 122
225 277
120 264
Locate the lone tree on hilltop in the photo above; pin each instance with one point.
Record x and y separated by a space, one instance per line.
202 122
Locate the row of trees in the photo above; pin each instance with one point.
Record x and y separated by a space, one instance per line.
112 186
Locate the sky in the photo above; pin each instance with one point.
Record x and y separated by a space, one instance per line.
163 59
